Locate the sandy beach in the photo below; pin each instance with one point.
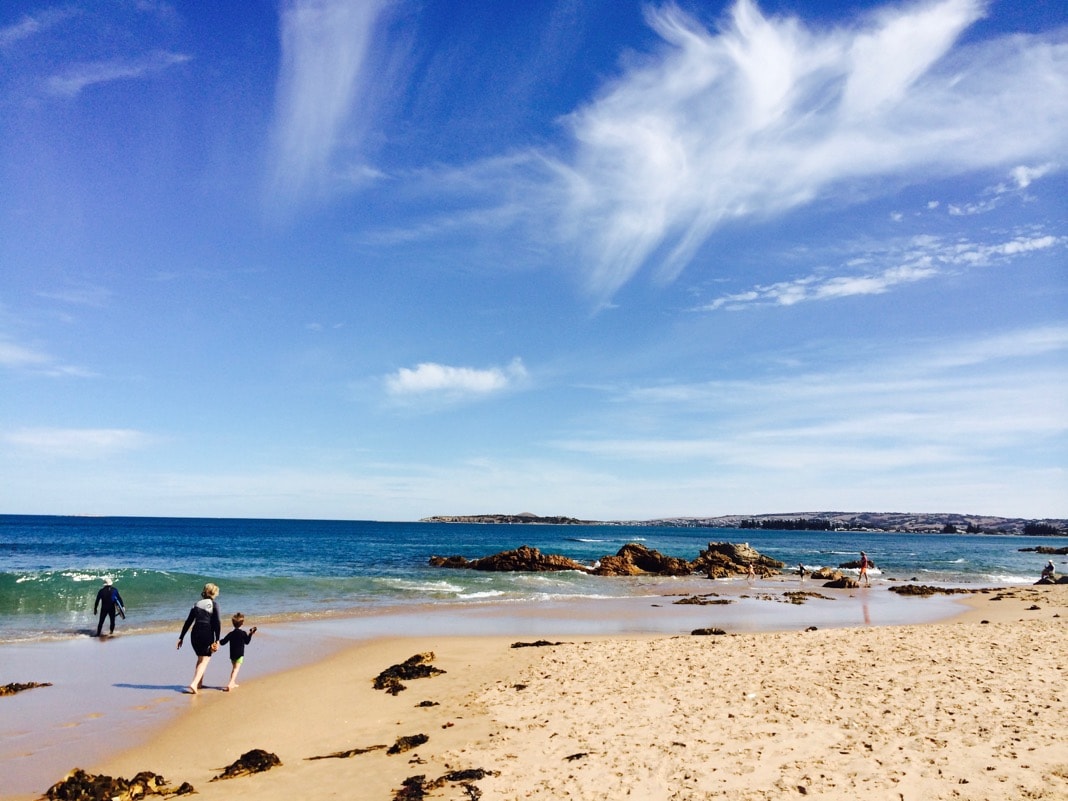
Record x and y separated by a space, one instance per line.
970 708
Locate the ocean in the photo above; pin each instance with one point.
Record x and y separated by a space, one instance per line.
52 567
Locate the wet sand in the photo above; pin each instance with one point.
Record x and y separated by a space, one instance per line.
870 702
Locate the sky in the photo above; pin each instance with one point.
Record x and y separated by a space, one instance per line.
607 259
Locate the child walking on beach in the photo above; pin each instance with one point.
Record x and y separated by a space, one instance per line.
238 639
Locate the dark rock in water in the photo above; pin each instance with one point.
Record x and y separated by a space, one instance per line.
924 590
726 559
634 559
1046 549
82 786
414 667
706 632
523 559
535 644
843 583
255 761
17 687
407 743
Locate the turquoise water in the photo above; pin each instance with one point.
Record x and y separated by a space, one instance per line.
51 567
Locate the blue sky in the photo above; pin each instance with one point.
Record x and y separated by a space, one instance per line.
615 260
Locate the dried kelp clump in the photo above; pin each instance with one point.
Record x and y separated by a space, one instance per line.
708 632
17 687
703 600
414 667
255 761
349 753
407 743
415 788
82 786
800 596
536 644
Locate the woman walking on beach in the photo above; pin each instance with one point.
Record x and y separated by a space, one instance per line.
204 620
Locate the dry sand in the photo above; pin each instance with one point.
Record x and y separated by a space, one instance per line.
958 710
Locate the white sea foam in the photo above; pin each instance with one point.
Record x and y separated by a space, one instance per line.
406 585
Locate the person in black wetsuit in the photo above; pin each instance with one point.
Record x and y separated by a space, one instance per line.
204 620
238 639
109 602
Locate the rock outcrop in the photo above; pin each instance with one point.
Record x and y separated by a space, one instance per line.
522 559
826 574
637 560
719 560
726 559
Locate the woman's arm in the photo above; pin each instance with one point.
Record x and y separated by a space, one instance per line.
188 622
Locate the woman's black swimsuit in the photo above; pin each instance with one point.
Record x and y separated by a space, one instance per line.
204 619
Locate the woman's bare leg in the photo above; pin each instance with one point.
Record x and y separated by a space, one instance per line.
198 674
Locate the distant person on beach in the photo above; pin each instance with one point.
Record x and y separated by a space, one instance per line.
864 563
204 620
1047 572
751 575
109 602
801 571
238 639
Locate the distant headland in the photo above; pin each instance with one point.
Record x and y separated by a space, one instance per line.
901 522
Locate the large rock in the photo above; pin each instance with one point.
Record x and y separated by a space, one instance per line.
523 559
637 560
826 574
726 559
843 583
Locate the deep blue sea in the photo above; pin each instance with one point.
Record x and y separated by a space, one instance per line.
52 567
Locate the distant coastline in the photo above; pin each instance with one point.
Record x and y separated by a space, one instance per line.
890 522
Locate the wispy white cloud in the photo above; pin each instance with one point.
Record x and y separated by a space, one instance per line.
33 360
30 25
1021 178
77 77
324 93
766 114
76 443
16 356
763 115
86 295
1024 176
923 259
430 379
953 403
